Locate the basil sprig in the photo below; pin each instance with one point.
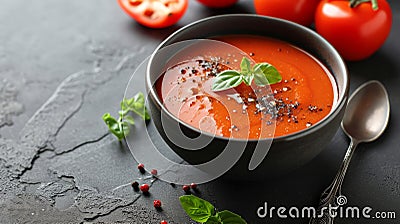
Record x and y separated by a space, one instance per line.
262 74
202 211
120 127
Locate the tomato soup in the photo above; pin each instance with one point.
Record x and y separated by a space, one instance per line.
303 97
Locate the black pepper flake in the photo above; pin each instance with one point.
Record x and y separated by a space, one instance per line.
313 108
251 54
234 128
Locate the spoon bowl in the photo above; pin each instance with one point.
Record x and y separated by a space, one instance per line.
367 112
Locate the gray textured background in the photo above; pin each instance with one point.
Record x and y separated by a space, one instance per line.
65 63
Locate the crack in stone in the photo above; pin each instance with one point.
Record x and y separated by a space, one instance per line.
36 156
30 182
91 219
95 204
71 115
121 206
37 134
80 145
41 130
51 190
58 109
17 157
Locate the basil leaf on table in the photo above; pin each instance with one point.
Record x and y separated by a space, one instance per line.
213 220
120 127
198 209
136 104
203 211
116 127
227 217
129 119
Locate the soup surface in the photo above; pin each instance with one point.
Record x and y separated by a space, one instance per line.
303 97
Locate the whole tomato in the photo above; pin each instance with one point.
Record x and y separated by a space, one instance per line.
217 3
356 32
298 11
155 13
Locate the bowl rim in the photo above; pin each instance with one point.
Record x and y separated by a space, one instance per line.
341 99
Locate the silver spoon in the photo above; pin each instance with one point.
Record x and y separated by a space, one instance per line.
365 119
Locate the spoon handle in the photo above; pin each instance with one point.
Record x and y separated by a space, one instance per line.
331 198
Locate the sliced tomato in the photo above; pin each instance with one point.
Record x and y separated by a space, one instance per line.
155 13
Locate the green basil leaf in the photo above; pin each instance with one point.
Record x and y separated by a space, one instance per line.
198 209
124 126
260 79
245 67
124 105
248 79
115 126
129 119
213 220
135 104
138 106
270 73
228 217
130 101
122 113
226 80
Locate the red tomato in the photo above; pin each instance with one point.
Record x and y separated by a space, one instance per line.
298 11
155 13
217 3
355 32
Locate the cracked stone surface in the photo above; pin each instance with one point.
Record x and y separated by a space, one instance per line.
64 64
9 106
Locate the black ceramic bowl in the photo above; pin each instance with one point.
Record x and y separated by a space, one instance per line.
286 152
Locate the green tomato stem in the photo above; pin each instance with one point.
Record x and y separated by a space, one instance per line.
355 3
375 4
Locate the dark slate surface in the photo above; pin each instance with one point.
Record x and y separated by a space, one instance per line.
63 64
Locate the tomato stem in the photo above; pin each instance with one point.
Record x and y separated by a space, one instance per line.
355 3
